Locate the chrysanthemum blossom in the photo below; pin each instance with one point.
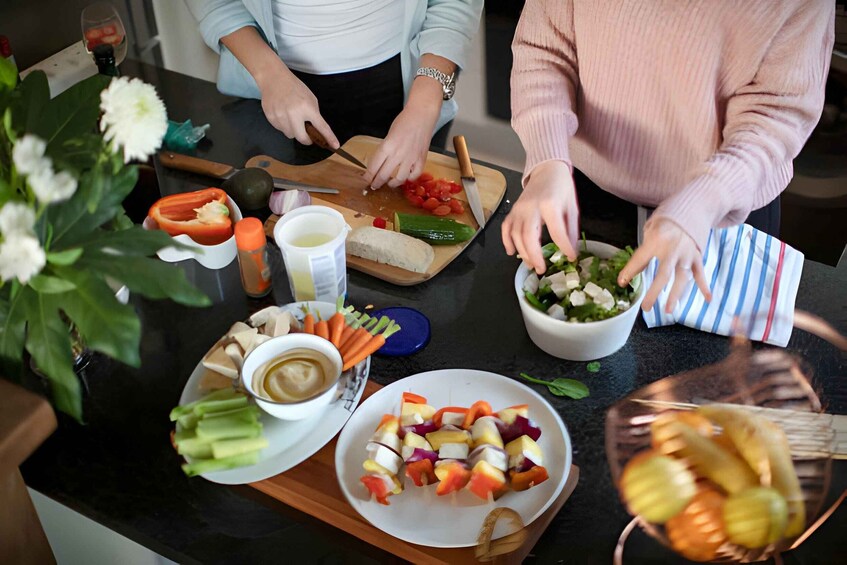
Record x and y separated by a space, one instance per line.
16 218
50 187
28 154
134 118
21 257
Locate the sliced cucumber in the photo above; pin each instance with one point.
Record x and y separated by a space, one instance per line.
433 230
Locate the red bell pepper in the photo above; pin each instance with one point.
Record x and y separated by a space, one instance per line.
436 419
201 215
486 480
377 487
413 398
528 479
421 472
477 410
453 476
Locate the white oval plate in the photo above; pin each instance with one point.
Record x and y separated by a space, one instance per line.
290 442
418 515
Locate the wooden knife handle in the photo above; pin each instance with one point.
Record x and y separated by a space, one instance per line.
463 156
194 164
316 137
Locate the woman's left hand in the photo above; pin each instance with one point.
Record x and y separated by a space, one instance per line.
678 256
402 154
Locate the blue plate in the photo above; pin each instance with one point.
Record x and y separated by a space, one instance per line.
413 336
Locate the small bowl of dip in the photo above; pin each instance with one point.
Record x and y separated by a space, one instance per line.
292 376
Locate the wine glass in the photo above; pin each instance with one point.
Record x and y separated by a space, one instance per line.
101 25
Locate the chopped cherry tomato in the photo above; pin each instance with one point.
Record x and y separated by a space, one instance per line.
420 191
424 177
456 206
380 223
417 201
421 472
442 210
431 204
429 185
109 30
444 196
455 188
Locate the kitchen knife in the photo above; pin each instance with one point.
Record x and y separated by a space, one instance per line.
468 179
319 140
222 171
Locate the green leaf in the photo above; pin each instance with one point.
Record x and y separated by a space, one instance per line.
64 258
149 277
104 323
8 74
593 367
72 220
48 341
134 241
50 285
12 333
32 97
561 386
72 113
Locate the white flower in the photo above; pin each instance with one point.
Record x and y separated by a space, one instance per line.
134 118
21 257
28 155
15 218
50 187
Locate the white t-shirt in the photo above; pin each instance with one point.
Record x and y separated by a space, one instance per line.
335 36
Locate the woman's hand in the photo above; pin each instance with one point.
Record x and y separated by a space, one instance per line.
678 256
405 148
289 104
549 198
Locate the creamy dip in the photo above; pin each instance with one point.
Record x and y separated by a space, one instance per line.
294 376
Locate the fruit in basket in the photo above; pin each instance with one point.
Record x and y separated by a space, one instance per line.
656 487
755 517
698 531
697 421
708 459
764 446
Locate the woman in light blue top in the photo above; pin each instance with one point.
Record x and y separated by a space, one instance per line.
379 67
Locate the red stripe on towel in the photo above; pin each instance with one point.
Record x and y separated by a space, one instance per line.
775 293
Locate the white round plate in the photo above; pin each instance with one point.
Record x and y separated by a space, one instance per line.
418 515
290 442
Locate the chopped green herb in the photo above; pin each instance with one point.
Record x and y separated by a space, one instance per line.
593 367
561 386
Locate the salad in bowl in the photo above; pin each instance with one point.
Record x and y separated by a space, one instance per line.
576 310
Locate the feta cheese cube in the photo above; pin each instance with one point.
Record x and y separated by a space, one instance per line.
593 290
586 263
557 257
557 312
605 300
577 298
452 419
558 284
623 305
572 280
530 284
603 265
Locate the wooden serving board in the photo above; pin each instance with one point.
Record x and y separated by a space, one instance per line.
312 487
360 205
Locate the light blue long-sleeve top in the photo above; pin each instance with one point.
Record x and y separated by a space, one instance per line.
441 27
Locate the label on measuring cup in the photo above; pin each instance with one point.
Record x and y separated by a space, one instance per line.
328 273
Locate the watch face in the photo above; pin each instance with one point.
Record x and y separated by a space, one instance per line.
450 87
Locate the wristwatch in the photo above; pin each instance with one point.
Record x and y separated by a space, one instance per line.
448 82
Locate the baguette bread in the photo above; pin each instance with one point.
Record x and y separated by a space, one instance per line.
390 248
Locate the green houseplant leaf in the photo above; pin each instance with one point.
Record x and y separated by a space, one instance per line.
134 241
32 96
8 74
49 343
50 285
72 113
12 332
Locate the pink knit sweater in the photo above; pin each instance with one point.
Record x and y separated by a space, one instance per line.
697 107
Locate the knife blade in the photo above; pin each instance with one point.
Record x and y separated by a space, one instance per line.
223 171
319 140
468 179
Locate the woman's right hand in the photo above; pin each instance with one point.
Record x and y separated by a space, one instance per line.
289 104
549 198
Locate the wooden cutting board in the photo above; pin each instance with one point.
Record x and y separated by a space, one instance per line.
312 487
360 205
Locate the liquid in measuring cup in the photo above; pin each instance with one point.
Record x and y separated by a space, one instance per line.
311 240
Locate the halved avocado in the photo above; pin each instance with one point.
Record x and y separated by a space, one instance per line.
250 188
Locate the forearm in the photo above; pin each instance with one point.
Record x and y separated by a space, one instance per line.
427 94
258 58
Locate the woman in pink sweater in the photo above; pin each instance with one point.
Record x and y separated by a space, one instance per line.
695 108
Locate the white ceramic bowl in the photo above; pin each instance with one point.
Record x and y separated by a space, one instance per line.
577 341
277 346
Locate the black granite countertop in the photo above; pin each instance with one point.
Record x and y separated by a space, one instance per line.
120 470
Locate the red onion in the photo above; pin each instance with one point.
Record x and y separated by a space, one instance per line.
526 465
418 454
379 443
521 426
284 201
420 429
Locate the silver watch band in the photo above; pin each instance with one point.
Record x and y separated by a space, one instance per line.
448 82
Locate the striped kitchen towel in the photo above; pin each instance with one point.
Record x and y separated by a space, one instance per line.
753 278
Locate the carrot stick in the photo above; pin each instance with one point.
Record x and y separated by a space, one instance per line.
359 337
371 347
309 324
346 332
359 319
336 326
322 329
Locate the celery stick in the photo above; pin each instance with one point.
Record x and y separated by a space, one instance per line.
188 421
246 414
226 428
231 447
209 465
195 447
183 435
206 407
222 394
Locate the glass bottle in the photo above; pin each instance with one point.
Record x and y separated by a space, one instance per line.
104 58
253 257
